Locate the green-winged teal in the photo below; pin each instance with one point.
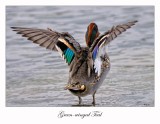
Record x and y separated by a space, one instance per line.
88 65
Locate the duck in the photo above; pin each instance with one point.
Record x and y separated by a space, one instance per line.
88 65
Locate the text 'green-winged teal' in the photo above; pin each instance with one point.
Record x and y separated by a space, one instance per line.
88 65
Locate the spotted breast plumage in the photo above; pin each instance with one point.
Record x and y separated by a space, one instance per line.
88 66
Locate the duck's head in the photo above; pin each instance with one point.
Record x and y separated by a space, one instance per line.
91 34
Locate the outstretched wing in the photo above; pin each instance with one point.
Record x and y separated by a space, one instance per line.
98 48
64 43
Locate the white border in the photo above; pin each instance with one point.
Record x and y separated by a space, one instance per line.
48 115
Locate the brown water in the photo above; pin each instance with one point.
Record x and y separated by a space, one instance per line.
36 76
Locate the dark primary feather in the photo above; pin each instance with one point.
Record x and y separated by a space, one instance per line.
111 34
50 39
98 48
46 38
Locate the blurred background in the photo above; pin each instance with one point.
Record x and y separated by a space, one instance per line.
37 77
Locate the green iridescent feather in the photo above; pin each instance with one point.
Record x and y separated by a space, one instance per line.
68 54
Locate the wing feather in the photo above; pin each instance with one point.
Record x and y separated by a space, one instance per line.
61 42
98 48
39 36
113 33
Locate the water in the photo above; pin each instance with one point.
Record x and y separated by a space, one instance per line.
37 77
